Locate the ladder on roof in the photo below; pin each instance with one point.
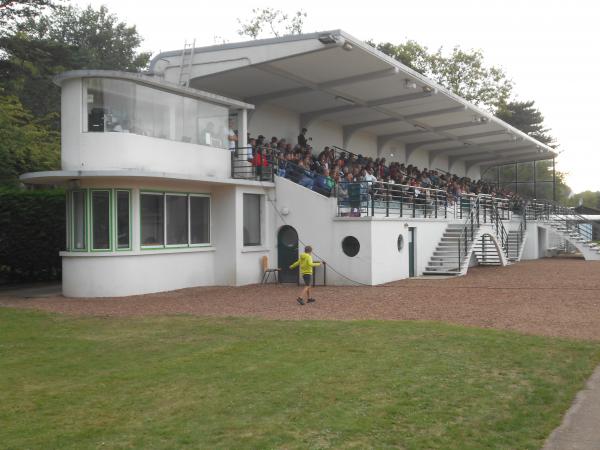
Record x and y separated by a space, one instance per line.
187 58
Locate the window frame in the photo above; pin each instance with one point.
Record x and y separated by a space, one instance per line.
116 220
210 225
91 220
71 214
166 224
164 195
260 220
153 247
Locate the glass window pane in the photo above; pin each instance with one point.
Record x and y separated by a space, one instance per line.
123 228
152 218
543 170
78 205
200 220
252 219
177 220
101 220
110 105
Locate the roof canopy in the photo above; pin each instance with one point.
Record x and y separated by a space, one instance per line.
334 76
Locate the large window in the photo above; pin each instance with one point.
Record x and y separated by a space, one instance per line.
152 212
252 213
177 219
123 210
199 219
183 219
124 106
100 220
78 222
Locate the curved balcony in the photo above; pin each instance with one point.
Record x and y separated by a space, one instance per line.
114 120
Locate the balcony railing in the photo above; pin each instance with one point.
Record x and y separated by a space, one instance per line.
377 198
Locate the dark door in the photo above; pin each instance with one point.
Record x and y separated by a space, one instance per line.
411 252
287 254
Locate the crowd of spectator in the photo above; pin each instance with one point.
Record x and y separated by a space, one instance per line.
331 170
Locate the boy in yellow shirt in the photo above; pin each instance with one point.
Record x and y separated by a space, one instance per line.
306 269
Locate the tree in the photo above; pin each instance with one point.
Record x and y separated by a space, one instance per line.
27 144
277 22
525 117
41 46
11 11
462 72
587 198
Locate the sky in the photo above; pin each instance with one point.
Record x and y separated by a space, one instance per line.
548 48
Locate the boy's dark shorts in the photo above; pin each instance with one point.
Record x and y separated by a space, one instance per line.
307 279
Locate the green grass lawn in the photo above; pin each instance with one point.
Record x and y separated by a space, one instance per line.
188 382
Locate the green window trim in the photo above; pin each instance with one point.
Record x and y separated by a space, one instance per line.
164 195
116 220
71 214
109 222
88 217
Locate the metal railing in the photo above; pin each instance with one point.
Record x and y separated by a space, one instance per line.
378 198
467 235
562 217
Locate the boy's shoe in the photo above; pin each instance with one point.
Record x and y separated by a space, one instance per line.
310 300
299 300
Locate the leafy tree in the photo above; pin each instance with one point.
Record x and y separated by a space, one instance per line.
11 11
275 21
462 72
526 117
41 46
590 199
27 144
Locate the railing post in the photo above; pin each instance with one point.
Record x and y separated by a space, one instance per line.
435 202
387 204
459 253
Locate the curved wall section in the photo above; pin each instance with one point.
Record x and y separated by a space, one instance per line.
105 276
100 151
118 124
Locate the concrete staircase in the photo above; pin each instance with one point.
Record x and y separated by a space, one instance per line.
589 250
515 245
486 252
444 260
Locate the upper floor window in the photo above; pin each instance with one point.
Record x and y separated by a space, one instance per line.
113 105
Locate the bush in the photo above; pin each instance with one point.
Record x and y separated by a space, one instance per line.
32 232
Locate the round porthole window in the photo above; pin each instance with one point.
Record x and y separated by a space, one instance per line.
400 242
350 246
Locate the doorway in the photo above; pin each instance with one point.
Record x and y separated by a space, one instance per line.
411 251
287 254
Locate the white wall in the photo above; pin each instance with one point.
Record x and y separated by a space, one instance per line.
273 121
363 144
224 262
115 276
99 151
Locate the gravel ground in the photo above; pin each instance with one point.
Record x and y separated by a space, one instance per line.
550 297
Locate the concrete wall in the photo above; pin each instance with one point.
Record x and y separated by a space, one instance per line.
98 151
225 261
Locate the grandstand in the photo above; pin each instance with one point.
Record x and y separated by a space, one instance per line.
172 183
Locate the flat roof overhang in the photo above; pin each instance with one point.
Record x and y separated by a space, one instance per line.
333 76
65 176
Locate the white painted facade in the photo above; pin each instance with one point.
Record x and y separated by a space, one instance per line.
174 162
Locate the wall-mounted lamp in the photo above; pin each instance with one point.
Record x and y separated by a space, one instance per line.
427 89
347 46
405 224
285 211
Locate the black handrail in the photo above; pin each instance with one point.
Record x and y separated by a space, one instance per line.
469 225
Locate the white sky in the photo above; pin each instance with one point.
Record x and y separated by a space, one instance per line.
549 48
